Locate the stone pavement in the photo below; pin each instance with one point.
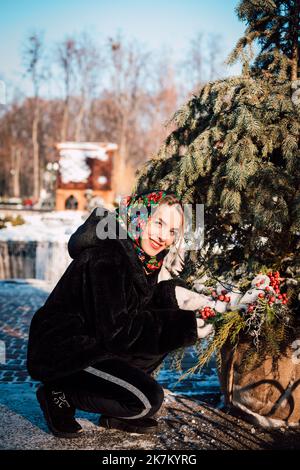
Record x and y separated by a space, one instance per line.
19 300
184 423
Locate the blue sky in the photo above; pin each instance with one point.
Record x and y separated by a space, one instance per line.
157 23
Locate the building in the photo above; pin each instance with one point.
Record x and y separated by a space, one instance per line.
86 174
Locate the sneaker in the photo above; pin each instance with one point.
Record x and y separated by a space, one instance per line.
58 413
140 426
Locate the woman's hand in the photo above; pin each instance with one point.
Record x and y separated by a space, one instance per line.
204 329
190 300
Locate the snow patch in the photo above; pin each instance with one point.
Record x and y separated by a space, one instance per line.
56 226
73 166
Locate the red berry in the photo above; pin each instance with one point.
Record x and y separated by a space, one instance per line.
224 292
261 295
280 296
262 281
272 299
284 301
214 293
267 288
221 297
257 284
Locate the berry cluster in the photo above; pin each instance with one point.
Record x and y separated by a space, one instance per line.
268 294
155 197
207 312
222 297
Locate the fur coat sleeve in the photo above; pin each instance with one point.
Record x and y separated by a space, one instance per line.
164 293
124 324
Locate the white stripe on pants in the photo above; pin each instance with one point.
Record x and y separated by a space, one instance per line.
128 386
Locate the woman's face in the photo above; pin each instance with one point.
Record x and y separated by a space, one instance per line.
162 229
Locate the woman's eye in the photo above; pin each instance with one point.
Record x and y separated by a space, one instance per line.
158 222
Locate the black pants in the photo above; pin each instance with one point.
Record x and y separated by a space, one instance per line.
114 388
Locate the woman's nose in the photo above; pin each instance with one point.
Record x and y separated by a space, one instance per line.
163 237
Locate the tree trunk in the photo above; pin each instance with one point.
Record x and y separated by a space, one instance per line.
65 122
79 121
16 156
35 146
121 183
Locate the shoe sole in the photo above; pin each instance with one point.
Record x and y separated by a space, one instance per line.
44 407
112 424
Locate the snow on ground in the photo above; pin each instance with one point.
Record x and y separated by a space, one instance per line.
56 226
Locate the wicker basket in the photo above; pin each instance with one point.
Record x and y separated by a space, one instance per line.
268 395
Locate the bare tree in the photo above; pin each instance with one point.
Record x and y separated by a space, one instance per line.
194 64
138 95
128 71
33 60
215 68
66 60
161 104
15 148
89 66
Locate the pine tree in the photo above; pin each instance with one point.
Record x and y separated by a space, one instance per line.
235 149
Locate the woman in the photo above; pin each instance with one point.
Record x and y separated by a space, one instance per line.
108 324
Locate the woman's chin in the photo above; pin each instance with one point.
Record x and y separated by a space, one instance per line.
152 252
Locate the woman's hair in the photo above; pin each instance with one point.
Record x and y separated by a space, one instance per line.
174 261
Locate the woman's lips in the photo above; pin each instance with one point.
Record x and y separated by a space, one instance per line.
154 244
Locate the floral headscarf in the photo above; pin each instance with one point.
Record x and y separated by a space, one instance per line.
133 215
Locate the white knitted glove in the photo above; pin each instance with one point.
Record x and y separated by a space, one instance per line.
203 329
190 300
259 283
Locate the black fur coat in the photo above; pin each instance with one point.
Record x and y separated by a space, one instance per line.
105 306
